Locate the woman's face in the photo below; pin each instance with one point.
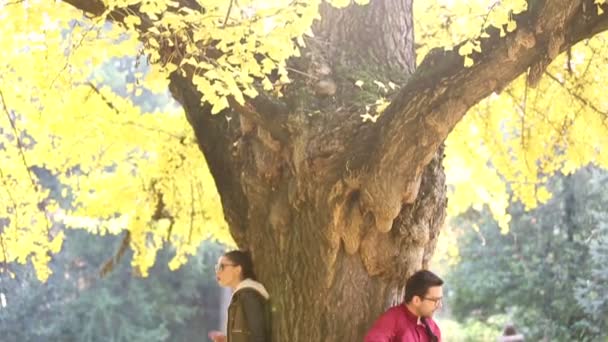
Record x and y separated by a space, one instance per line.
227 273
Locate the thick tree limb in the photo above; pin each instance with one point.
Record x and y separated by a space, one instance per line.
443 89
90 7
267 112
216 138
97 8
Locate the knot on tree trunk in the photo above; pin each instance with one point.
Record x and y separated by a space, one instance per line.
413 233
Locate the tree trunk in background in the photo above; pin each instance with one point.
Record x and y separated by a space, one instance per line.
297 204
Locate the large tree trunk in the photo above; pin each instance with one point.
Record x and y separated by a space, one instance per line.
338 212
329 270
298 205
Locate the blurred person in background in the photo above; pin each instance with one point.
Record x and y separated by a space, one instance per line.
510 335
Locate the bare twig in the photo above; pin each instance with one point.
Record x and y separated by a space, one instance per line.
15 212
16 2
523 118
18 139
4 255
108 102
24 160
10 196
487 16
569 64
191 212
579 97
228 13
69 55
131 123
109 265
302 73
8 191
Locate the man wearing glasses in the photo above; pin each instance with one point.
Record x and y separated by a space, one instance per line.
411 321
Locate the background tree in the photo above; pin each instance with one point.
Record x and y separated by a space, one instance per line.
540 273
588 291
76 304
326 201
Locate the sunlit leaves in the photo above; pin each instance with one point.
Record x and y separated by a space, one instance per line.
523 136
599 9
123 169
467 49
445 23
118 168
229 47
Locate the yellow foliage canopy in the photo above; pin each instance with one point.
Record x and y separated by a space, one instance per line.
121 169
516 139
112 160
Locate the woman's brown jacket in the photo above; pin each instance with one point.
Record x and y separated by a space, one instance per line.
249 314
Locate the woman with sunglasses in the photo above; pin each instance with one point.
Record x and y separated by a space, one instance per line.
248 313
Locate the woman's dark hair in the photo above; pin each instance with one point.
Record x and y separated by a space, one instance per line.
243 259
418 284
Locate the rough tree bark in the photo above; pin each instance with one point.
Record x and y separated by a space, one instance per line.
338 212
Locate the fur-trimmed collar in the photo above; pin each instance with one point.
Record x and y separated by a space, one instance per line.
250 283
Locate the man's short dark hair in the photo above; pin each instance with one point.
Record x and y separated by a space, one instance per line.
419 283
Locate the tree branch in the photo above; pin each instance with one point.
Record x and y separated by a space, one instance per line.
576 95
267 112
96 8
215 139
442 90
228 13
109 264
20 146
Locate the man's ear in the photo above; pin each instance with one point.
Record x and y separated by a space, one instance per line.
416 300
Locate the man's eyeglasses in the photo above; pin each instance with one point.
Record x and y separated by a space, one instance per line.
435 301
221 267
